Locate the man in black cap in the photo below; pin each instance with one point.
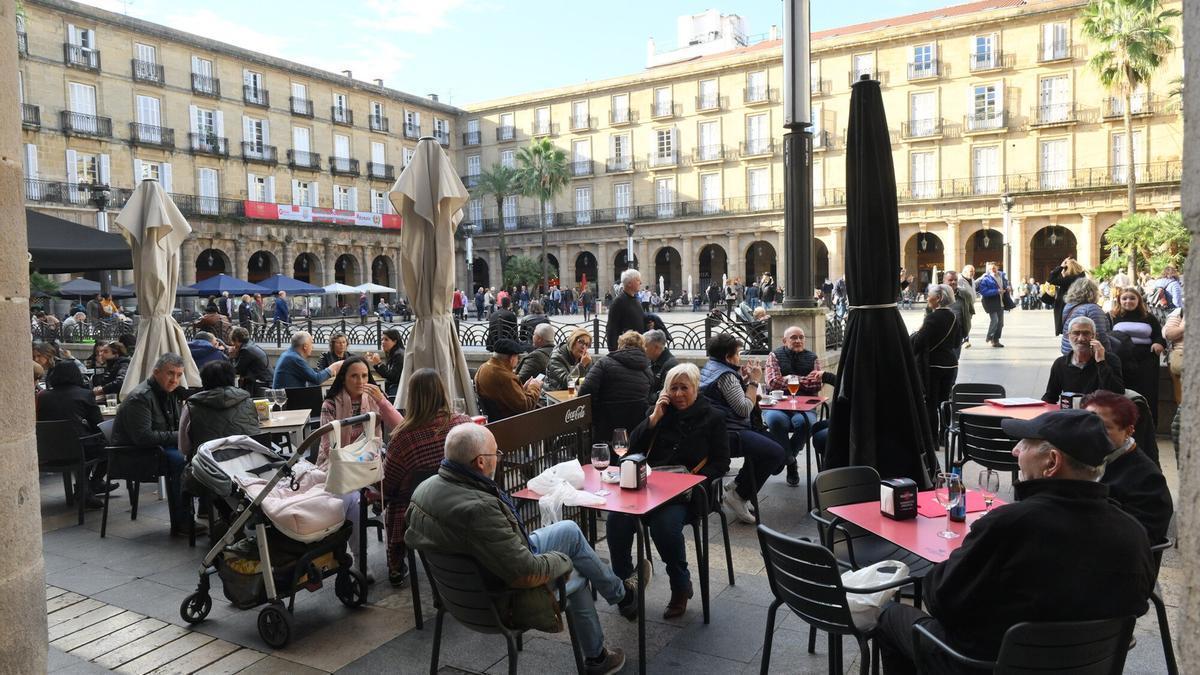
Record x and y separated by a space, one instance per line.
496 382
1061 552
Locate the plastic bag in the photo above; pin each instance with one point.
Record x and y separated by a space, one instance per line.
569 472
550 504
357 465
866 607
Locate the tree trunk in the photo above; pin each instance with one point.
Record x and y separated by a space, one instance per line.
1130 174
545 263
500 235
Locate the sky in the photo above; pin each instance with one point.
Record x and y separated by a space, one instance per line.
474 50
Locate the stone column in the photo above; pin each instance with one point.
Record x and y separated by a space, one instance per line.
645 263
368 270
494 277
687 264
1017 250
781 259
566 267
187 265
1085 242
240 270
837 255
603 269
953 256
1188 637
23 608
286 263
734 262
330 258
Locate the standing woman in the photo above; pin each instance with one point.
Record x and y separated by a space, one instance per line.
993 288
391 363
246 312
935 345
1131 317
1062 277
1083 299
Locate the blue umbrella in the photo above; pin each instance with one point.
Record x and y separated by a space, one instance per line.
220 283
81 287
279 282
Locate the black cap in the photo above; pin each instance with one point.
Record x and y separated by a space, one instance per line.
509 346
1078 433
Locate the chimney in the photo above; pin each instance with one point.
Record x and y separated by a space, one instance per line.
774 32
379 82
347 74
433 97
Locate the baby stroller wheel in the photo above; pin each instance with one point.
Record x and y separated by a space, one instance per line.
351 588
275 625
195 607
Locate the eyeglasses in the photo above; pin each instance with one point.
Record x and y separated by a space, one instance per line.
498 453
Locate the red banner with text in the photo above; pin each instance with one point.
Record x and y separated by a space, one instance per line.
312 214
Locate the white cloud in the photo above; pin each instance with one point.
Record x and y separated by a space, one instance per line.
409 16
211 25
366 61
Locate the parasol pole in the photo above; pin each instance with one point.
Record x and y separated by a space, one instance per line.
797 155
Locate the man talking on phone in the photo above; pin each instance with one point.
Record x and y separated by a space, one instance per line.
1087 368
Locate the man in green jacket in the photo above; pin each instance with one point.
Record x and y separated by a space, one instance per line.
462 511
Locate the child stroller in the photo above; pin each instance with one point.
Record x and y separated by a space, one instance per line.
294 548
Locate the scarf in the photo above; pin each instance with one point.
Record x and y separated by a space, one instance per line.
343 407
490 486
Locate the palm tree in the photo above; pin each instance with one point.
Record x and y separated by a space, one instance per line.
543 174
1134 36
500 182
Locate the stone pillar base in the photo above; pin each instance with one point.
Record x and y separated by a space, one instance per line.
810 319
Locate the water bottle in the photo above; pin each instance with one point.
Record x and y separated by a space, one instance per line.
958 512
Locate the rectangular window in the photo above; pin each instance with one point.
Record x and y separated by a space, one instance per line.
758 181
341 109
1120 156
379 201
507 131
541 121
253 88
756 86
922 118
664 146
924 62
710 193
622 153
412 123
473 165
209 191
82 98
341 198
814 77
258 189
983 52
303 194
662 102
985 169
862 64
508 159
377 111
81 37
623 200
86 169
472 126
300 91
583 205
757 138
664 197
148 112
985 108
148 171
254 134
620 108
441 130
579 115
1054 164
1056 42
145 65
1054 99
301 139
708 98
581 157
510 212
408 156
710 141
341 146
202 67
475 211
204 124
923 176
378 153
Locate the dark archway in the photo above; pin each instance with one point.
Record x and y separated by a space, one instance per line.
345 270
620 265
713 265
669 266
480 274
922 253
760 258
381 271
261 266
307 268
985 246
1048 248
586 265
211 262
554 270
821 260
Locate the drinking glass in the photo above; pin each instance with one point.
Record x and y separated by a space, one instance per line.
600 461
793 384
989 485
281 397
948 491
110 400
620 442
459 406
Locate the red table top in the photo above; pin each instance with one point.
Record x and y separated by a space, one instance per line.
1021 412
795 404
661 487
918 535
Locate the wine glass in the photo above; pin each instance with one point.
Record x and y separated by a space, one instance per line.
793 384
459 406
620 442
281 396
989 485
948 491
600 461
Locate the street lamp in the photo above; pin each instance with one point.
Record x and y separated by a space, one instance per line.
470 230
629 226
101 197
1006 202
797 155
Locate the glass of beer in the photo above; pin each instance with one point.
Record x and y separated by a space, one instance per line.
793 384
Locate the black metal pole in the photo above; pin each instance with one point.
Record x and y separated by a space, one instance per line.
798 215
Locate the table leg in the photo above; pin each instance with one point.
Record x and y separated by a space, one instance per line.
641 602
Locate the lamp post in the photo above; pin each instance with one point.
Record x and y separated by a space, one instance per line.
101 195
797 155
629 226
470 230
1006 202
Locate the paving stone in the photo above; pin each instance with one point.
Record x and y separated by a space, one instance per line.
118 639
671 661
206 655
275 665
736 633
326 648
235 662
83 621
63 600
170 651
88 578
143 645
97 631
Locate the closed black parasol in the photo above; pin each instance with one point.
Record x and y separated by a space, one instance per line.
878 418
60 246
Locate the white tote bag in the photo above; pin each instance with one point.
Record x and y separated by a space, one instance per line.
865 608
357 465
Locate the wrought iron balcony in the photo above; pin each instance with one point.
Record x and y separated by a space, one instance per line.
582 123
822 139
256 96
985 121
924 70
708 153
619 165
31 116
79 124
22 43
412 131
151 136
343 166
443 137
206 86
472 138
300 159
1139 104
471 180
378 123
662 159
993 60
506 133
343 116
710 102
926 128
543 129
665 110
208 144
381 171
583 168
622 116
302 107
260 154
1057 113
1053 51
757 147
81 57
148 71
820 87
759 95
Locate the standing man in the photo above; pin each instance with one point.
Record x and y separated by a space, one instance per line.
479 301
992 288
965 299
586 299
225 305
93 309
626 312
281 307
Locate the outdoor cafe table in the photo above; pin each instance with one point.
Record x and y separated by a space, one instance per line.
560 395
660 488
287 422
800 404
1020 412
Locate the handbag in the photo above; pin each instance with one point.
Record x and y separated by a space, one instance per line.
357 465
865 608
1007 299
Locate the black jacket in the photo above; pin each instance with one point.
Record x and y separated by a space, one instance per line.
217 413
625 314
147 417
329 358
534 363
620 387
245 315
1094 376
503 324
113 375
936 342
1137 484
528 324
252 367
694 438
660 367
1062 552
1062 281
68 399
390 368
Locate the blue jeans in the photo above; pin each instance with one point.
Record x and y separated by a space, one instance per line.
782 422
566 537
767 457
666 529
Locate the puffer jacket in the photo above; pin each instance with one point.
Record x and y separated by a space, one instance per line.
619 384
221 412
534 363
561 365
113 376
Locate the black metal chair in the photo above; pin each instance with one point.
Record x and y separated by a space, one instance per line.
418 478
962 395
135 466
306 398
1144 432
1160 610
806 577
1076 647
459 589
61 450
982 441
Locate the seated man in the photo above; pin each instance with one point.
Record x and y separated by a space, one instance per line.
502 324
496 381
292 369
149 416
536 361
462 511
1061 552
789 359
205 349
1089 367
250 362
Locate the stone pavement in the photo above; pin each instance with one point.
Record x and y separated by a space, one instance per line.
114 602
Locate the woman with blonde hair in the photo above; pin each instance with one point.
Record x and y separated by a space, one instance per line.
570 360
1062 277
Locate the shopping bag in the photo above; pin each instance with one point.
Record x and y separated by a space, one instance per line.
570 472
866 607
356 465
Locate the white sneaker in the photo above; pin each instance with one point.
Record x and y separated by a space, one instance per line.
738 507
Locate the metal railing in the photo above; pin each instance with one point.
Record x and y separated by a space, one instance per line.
994 120
343 166
506 133
208 144
22 43
753 95
80 124
1114 106
658 159
256 96
197 205
343 116
583 168
622 116
411 130
262 154
148 71
443 137
301 159
206 86
822 140
378 123
31 116
380 171
543 129
470 180
1057 113
1053 51
710 102
757 147
583 123
472 137
150 135
820 87
926 128
81 57
301 107
924 70
665 109
708 153
618 165
992 60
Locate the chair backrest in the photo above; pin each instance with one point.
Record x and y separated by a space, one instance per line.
1144 432
845 485
971 394
58 444
1070 648
305 398
460 590
986 444
106 428
129 462
805 577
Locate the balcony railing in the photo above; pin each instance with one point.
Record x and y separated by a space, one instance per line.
197 205
621 116
256 96
343 116
820 87
506 133
206 86
757 147
260 154
443 137
302 107
208 144
665 109
381 171
708 153
150 135
1058 113
618 165
148 71
31 116
582 123
470 180
993 60
22 43
300 159
343 166
378 123
412 131
472 138
926 128
1114 106
991 120
757 95
661 159
582 168
710 102
822 140
79 124
81 57
1053 51
543 129
924 70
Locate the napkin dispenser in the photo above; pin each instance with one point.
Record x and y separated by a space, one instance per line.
898 498
633 471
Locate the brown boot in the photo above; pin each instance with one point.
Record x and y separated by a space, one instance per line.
678 604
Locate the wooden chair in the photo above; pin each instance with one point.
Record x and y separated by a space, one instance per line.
1076 647
61 450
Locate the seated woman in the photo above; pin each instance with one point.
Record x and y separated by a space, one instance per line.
338 350
619 385
352 393
733 390
220 409
417 446
67 398
570 360
390 364
116 363
682 430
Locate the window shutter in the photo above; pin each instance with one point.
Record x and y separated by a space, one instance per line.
970 102
137 171
933 51
1000 96
31 161
247 130
104 169
295 192
164 177
353 199
266 127
313 190
91 39
250 188
72 34
220 122
192 113
72 167
271 189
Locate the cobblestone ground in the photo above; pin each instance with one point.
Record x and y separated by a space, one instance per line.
114 602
